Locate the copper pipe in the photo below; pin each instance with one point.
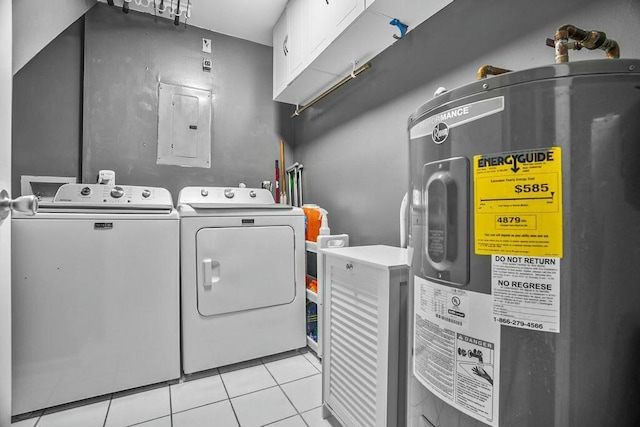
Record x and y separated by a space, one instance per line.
333 88
486 70
591 40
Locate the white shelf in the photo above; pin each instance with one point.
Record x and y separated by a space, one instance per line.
312 344
317 248
312 296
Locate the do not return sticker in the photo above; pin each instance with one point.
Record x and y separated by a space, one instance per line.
526 292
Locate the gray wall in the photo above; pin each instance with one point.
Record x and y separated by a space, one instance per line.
126 56
354 143
37 22
47 112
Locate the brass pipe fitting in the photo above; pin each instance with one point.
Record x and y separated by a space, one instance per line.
486 70
591 40
561 43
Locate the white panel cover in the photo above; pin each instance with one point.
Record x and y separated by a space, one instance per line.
243 268
184 126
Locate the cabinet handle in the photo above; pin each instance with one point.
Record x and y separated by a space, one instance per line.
284 45
349 266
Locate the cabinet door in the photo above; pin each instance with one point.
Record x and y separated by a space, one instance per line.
295 44
355 372
342 14
279 54
318 26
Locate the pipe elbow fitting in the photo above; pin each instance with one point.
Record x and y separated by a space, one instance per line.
486 70
613 52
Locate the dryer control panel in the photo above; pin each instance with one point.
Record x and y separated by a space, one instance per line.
112 196
227 197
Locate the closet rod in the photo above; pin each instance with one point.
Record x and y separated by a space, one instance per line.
333 88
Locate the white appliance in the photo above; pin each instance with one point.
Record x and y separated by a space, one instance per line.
242 269
95 294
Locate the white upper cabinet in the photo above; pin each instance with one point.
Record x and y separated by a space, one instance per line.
323 38
296 14
289 39
280 33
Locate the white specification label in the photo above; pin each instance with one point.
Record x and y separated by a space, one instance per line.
526 292
458 360
447 304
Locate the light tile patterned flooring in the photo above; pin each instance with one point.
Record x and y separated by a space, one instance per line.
283 390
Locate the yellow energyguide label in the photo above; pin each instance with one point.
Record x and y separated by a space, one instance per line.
518 203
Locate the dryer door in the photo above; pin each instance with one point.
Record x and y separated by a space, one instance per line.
244 268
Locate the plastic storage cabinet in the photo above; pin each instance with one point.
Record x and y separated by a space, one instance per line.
315 286
364 358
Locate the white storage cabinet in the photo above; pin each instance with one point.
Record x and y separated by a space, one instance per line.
364 360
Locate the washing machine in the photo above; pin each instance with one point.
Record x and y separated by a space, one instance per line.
242 276
95 294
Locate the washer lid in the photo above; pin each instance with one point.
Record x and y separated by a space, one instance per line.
228 198
81 197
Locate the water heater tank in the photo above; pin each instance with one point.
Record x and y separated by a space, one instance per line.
525 243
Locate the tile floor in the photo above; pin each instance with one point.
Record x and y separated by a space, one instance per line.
283 390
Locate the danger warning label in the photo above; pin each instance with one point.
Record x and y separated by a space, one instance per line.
457 361
518 203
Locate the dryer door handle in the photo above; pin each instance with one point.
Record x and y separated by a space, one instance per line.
211 270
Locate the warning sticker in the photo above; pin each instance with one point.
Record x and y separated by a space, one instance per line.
526 292
459 361
518 203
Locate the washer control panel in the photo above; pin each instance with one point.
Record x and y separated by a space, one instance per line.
117 196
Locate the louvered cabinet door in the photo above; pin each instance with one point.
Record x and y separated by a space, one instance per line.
362 330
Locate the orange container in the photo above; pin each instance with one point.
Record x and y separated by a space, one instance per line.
314 221
312 284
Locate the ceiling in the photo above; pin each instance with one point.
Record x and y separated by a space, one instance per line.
246 19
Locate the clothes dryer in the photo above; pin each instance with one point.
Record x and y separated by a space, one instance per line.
95 294
242 271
